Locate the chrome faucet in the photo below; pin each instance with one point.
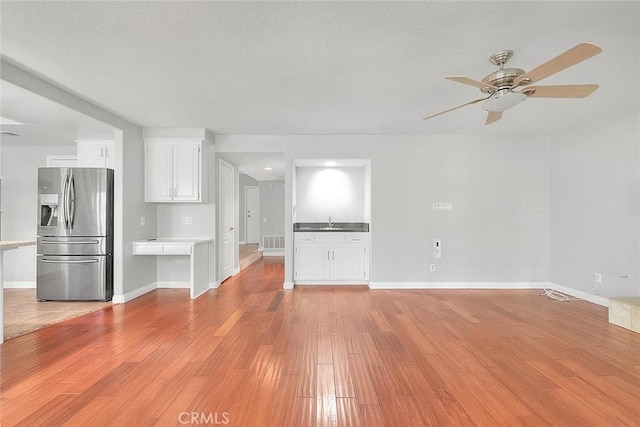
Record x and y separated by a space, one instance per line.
330 223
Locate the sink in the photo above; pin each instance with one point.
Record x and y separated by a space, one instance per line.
352 227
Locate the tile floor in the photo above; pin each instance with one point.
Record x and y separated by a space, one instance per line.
249 254
23 314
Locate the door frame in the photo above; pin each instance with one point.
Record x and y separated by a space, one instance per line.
246 216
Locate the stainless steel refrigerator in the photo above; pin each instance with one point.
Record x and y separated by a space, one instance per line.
75 234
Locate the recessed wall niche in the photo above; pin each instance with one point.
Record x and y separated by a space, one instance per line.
340 191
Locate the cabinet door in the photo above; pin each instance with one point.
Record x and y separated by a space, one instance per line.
158 172
348 262
312 262
186 172
95 154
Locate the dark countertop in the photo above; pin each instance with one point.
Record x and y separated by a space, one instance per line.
351 227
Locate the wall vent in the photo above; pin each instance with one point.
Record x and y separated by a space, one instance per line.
272 242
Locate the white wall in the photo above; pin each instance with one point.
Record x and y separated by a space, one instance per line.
336 192
20 203
499 187
594 205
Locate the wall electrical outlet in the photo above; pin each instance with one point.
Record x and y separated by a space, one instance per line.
187 220
432 267
142 220
437 248
598 278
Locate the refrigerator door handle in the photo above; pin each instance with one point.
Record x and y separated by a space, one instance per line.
72 200
82 261
63 204
75 242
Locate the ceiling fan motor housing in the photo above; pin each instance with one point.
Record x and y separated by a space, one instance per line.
503 79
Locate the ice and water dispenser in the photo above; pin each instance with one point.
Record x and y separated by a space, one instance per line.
48 210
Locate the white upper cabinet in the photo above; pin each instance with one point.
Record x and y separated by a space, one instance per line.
174 171
96 154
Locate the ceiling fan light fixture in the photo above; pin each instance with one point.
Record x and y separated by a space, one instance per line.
503 99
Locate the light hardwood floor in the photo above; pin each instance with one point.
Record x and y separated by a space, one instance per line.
253 354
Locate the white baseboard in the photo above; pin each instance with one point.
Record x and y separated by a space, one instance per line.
287 285
173 285
236 271
121 299
457 285
328 283
596 299
242 242
214 285
273 253
19 285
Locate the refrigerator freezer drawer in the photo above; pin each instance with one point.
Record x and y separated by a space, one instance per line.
74 278
75 245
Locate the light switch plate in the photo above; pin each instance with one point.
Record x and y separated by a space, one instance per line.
437 248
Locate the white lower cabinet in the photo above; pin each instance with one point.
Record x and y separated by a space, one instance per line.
331 258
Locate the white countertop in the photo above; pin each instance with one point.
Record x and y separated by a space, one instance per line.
173 241
14 244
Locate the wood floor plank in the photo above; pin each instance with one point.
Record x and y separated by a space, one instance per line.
326 355
389 407
348 412
365 391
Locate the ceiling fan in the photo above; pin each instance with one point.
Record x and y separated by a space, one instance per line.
507 87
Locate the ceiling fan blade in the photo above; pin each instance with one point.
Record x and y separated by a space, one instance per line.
565 91
471 82
571 57
493 116
454 108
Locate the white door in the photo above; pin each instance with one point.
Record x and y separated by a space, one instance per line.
252 214
227 236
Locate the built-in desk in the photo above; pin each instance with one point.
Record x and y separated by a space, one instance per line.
197 249
5 246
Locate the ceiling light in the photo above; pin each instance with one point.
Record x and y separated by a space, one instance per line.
330 163
503 100
268 168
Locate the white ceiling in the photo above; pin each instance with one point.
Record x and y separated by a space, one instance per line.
45 122
254 164
278 68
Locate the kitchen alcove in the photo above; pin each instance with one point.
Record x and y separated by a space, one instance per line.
331 200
